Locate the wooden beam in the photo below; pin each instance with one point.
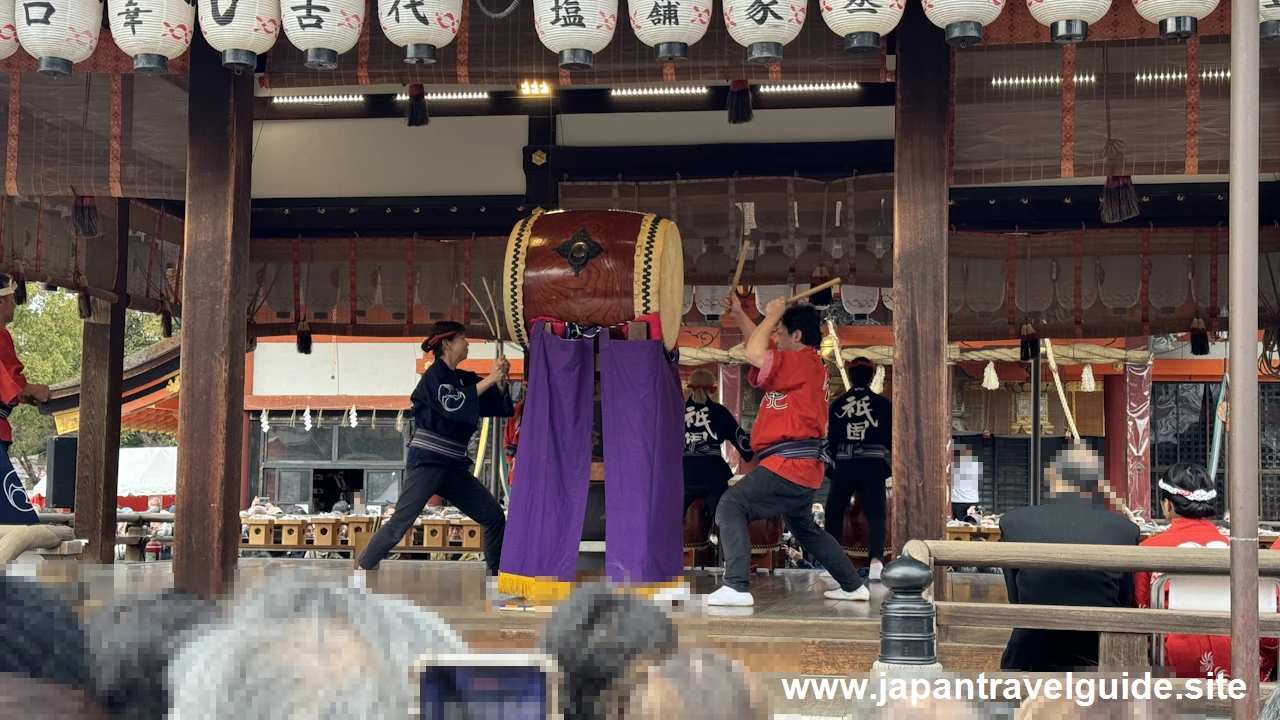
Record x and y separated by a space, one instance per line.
921 424
1112 558
1093 619
101 376
1119 651
210 430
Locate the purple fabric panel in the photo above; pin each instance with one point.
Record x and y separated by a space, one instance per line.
643 414
544 525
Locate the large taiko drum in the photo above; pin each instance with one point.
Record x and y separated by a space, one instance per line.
856 532
697 526
593 268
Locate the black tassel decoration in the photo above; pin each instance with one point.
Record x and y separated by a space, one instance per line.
84 304
1199 338
739 105
85 217
1119 199
19 288
417 114
166 323
304 338
1030 343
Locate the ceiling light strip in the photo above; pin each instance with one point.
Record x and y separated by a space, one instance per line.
810 87
449 96
657 91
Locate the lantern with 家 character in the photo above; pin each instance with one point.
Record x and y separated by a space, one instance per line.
670 26
963 20
152 32
862 22
764 26
1068 20
240 29
8 31
575 29
59 33
420 27
323 29
1269 18
1178 19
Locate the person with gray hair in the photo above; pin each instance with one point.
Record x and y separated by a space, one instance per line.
287 650
694 684
1270 708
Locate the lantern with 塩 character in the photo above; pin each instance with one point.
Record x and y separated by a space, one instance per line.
1068 20
1178 19
862 22
963 20
59 33
8 31
575 29
152 32
323 29
670 26
240 30
420 27
764 26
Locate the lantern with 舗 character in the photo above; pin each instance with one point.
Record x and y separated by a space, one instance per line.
575 29
323 29
963 20
1178 19
862 22
1269 19
420 28
1068 20
763 27
59 33
152 32
240 30
8 31
670 26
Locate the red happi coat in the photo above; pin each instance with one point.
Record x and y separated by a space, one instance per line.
1195 656
794 408
12 381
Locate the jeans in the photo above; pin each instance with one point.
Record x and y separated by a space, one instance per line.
765 494
865 478
454 485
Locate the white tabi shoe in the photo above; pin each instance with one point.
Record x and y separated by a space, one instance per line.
728 597
673 595
861 593
873 572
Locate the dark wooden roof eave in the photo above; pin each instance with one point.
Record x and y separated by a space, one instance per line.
141 370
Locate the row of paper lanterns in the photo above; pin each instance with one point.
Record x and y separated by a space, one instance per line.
60 33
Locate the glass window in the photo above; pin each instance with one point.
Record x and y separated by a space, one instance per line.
381 486
292 486
365 442
296 444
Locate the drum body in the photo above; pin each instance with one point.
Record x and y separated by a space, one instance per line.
855 531
593 268
697 526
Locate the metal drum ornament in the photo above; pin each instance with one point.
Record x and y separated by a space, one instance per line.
862 22
1177 18
1269 20
8 30
763 27
59 33
323 29
420 27
575 29
963 20
670 26
152 32
240 29
1068 20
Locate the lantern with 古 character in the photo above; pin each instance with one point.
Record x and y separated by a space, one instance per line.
575 29
8 31
59 33
963 20
1269 17
420 27
764 26
152 31
862 22
240 29
1177 19
323 29
1068 20
670 26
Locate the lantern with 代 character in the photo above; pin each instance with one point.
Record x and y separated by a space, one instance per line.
862 22
1177 19
240 29
963 20
670 26
323 29
152 32
764 26
1068 20
8 31
1269 19
59 33
420 27
575 29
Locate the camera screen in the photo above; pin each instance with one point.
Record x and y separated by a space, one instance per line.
483 692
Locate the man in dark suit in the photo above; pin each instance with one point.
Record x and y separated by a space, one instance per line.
1073 513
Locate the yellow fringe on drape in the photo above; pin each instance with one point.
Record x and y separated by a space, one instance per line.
544 590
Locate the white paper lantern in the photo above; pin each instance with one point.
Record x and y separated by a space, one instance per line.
963 20
862 22
59 33
1269 17
240 29
670 26
1068 20
764 26
152 32
323 29
420 26
576 29
8 31
1176 18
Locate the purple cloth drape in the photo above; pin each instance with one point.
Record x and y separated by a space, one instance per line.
643 414
544 525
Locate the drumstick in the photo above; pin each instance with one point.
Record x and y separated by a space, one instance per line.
844 373
814 290
480 308
497 317
742 259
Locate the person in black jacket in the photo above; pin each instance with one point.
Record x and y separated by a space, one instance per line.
707 426
1073 513
860 435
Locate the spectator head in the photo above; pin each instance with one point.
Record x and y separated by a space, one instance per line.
228 670
801 326
695 684
861 370
701 384
1271 708
133 643
26 697
1186 490
153 505
596 637
1076 470
42 637
342 507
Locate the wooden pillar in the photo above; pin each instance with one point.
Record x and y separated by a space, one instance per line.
921 424
216 258
101 373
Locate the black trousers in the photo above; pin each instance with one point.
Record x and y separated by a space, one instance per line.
707 478
461 490
960 510
863 477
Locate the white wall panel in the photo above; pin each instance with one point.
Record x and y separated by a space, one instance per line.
357 369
